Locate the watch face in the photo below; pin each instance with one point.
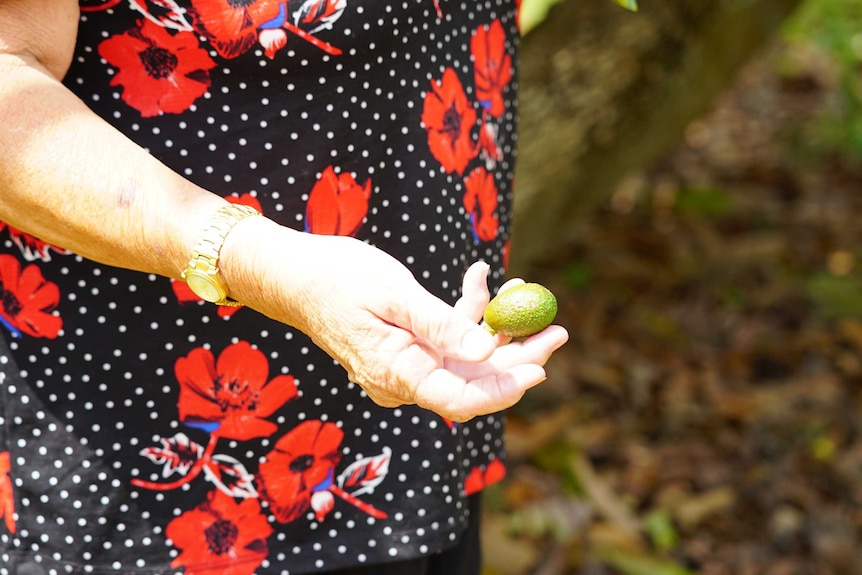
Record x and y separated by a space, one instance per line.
204 287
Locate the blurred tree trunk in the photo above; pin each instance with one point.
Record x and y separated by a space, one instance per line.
605 91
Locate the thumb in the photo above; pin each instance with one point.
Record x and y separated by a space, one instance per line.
439 324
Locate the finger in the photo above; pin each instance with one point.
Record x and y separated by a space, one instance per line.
474 292
539 347
510 283
450 396
440 325
536 349
500 339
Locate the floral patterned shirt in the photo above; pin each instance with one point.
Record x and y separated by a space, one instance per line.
144 431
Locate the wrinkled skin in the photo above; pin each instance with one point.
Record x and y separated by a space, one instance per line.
400 343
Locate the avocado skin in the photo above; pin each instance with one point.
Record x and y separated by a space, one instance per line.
521 310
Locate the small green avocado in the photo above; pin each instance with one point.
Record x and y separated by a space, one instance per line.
521 310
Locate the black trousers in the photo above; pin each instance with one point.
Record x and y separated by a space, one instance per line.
465 558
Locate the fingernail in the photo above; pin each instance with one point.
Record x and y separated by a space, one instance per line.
477 343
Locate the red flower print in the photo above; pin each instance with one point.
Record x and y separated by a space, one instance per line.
231 396
337 204
492 66
97 5
160 72
220 537
319 14
32 248
165 13
312 16
438 9
506 249
478 479
272 40
184 294
480 201
27 300
322 502
7 500
231 26
245 200
488 148
302 462
449 117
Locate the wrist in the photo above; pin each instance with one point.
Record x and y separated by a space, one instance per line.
260 265
202 273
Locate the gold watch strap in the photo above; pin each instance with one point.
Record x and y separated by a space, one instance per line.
205 253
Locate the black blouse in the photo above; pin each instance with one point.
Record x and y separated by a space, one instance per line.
144 431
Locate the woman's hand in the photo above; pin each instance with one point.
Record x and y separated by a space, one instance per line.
506 375
400 343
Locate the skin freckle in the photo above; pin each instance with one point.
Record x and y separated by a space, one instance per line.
127 194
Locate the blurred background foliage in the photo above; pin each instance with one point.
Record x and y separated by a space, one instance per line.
533 12
834 29
706 416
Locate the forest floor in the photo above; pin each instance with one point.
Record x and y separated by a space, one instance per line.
706 416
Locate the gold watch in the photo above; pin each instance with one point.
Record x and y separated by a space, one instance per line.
202 272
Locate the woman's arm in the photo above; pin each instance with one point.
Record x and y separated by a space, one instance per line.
68 177
71 179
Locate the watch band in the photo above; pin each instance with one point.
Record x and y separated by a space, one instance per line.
203 264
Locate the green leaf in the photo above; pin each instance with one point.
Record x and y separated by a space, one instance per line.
630 562
702 201
578 275
554 458
534 12
836 297
628 4
660 529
